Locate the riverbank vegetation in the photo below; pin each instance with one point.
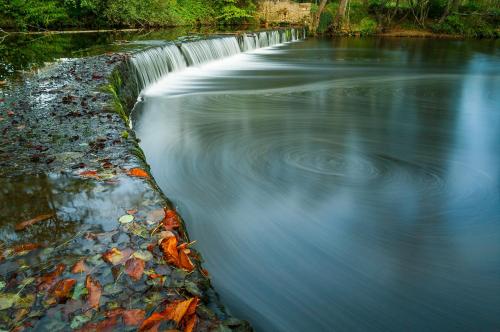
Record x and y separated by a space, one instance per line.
471 18
85 14
478 18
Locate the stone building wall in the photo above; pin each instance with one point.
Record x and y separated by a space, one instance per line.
278 11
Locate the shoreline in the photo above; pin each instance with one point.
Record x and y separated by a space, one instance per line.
66 130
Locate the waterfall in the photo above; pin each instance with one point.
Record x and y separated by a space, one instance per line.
210 49
156 62
153 63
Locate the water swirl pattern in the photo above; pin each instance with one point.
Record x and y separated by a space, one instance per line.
339 185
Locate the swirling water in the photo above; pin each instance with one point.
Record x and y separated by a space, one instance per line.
348 184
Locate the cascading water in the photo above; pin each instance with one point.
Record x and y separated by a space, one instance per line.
156 62
206 50
151 64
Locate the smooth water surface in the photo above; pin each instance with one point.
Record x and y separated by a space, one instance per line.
349 184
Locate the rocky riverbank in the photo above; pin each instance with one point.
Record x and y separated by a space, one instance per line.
88 242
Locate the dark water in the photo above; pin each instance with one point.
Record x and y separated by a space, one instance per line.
28 52
340 185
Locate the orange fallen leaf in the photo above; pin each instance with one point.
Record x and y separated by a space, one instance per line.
184 260
171 220
152 323
26 247
48 280
169 249
94 289
132 211
174 311
134 267
190 324
133 317
89 174
79 267
137 172
180 309
63 288
27 223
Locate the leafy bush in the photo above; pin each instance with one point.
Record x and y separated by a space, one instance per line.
233 13
367 26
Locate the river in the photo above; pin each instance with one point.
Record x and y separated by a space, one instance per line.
345 184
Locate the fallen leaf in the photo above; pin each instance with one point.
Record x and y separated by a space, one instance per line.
89 174
48 280
63 288
25 247
152 323
7 300
132 211
107 324
126 218
137 172
169 249
94 290
190 324
184 260
114 312
133 317
27 223
79 267
134 267
171 220
143 254
114 256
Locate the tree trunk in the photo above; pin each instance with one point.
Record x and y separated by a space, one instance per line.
339 18
451 6
317 17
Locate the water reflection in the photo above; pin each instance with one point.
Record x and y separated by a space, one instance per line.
348 185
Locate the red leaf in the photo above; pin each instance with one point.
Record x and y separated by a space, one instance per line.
133 316
48 280
27 223
137 172
94 290
63 288
134 267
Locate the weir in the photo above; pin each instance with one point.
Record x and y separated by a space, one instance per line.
150 65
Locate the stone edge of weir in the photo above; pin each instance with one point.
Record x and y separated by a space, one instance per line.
75 123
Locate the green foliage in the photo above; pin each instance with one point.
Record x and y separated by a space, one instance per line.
470 26
367 26
50 14
234 13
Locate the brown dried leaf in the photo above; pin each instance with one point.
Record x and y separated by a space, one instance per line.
133 317
94 289
79 267
48 280
134 267
27 223
63 288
